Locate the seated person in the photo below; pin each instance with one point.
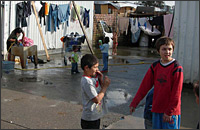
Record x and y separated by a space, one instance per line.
13 40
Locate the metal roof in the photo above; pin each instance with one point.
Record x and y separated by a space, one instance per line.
118 5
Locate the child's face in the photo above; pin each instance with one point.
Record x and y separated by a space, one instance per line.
17 34
76 50
92 71
166 52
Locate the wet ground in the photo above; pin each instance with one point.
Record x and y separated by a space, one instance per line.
53 80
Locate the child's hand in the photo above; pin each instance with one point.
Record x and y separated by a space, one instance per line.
167 118
106 81
132 109
99 73
100 76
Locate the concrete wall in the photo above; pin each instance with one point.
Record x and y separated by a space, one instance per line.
52 39
186 37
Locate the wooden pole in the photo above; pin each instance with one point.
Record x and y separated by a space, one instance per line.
41 34
79 19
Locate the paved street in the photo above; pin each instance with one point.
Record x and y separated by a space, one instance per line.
50 97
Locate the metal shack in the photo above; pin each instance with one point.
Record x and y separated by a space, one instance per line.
186 37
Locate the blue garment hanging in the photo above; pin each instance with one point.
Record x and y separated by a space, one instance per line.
86 19
53 14
63 13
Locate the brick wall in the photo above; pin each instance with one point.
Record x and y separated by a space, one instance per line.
110 19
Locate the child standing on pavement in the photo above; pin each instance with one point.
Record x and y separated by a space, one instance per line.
92 93
104 50
166 75
196 92
115 43
74 60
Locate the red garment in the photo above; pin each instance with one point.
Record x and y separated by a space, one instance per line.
168 82
115 43
27 42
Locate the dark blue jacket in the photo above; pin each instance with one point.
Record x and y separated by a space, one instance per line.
148 105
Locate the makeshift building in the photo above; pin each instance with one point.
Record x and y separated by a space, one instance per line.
186 37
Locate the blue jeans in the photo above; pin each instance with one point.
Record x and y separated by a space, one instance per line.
74 68
105 61
157 121
53 14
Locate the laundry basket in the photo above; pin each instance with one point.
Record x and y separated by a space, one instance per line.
8 65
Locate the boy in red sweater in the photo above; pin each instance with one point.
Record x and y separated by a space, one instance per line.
166 75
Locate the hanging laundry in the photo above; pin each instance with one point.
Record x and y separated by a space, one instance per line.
27 10
134 24
123 24
82 11
42 12
86 19
148 30
22 11
73 13
53 14
158 21
47 8
135 30
135 36
167 24
142 22
74 17
70 5
38 6
63 13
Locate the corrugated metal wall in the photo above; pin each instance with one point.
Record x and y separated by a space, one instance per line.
52 39
186 37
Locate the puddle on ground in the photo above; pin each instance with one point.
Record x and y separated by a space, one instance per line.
117 97
117 60
30 79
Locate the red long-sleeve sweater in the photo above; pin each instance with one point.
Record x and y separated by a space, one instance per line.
168 82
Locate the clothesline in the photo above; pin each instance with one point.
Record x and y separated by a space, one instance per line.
146 24
58 13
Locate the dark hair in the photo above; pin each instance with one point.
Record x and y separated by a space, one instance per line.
88 60
164 40
196 88
106 40
74 47
18 30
